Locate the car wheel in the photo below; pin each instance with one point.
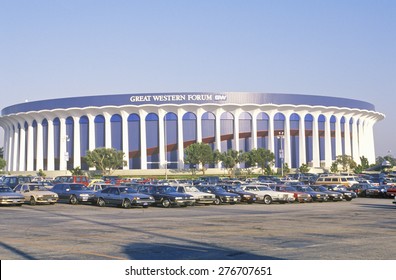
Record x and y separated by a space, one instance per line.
348 199
126 203
166 203
73 200
101 202
32 201
217 201
267 199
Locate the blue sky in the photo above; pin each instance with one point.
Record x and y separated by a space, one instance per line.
51 49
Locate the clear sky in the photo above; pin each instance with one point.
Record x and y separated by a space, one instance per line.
64 48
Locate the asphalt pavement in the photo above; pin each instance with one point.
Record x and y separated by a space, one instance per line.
363 229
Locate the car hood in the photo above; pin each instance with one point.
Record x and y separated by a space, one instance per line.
10 194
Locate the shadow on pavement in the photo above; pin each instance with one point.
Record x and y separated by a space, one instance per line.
163 251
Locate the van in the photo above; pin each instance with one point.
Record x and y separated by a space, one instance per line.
344 180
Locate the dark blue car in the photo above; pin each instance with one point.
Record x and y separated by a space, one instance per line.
73 193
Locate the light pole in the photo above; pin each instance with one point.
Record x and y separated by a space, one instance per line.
280 136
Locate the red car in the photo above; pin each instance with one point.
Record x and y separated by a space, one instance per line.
299 196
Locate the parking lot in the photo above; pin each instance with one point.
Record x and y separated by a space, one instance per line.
361 229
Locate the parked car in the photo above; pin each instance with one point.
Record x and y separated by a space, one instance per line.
98 186
36 194
369 190
76 179
333 196
298 196
9 197
247 197
394 200
267 195
391 192
200 197
222 196
13 181
316 196
73 193
122 196
347 195
167 196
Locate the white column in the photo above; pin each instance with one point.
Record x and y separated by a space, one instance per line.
143 141
287 144
254 129
107 118
315 141
236 114
30 148
301 140
39 146
199 114
361 138
10 144
218 132
76 142
271 144
218 129
91 132
62 144
355 142
161 139
22 148
180 139
338 138
15 161
328 149
125 138
347 136
51 146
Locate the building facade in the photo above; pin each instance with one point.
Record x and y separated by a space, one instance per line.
154 129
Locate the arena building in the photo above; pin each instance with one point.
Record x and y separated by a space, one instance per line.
153 129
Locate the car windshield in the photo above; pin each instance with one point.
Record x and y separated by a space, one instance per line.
340 188
166 189
306 189
37 188
127 190
77 187
191 189
218 189
289 189
5 190
237 189
264 188
322 189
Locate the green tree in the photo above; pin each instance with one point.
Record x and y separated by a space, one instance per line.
263 157
105 159
230 159
41 173
304 168
364 164
346 162
3 163
76 171
198 154
286 168
334 167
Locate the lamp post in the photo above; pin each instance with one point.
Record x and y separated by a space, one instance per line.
280 136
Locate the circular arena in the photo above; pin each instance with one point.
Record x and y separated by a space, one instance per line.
152 129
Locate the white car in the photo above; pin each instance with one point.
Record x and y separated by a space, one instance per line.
267 195
200 197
